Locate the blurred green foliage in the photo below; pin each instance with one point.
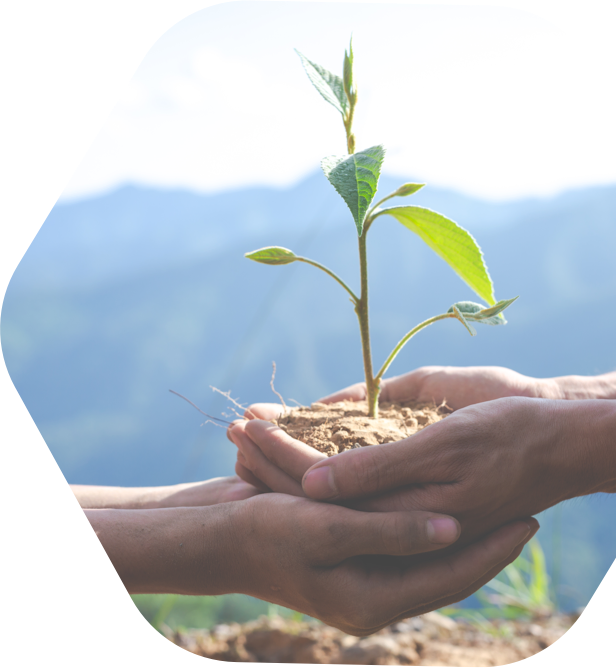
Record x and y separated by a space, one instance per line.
204 612
523 590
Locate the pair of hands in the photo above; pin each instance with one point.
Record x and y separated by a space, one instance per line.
472 466
495 459
353 570
374 555
501 457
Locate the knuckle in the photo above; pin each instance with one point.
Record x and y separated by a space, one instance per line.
404 535
337 533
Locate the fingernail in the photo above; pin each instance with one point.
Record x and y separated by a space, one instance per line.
442 530
320 483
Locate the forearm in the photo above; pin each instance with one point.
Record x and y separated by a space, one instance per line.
205 493
93 496
580 387
171 550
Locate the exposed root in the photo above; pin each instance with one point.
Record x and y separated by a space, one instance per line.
211 417
284 406
228 396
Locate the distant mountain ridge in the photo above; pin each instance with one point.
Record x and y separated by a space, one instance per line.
133 229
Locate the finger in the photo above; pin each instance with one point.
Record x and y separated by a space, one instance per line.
451 598
443 581
457 572
263 411
230 427
260 466
247 476
406 387
240 489
484 579
288 454
365 471
398 388
355 392
355 533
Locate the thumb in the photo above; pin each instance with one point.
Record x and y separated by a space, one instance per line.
397 388
263 411
355 392
380 468
395 533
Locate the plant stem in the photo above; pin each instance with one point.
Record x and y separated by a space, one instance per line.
354 297
373 208
407 337
372 385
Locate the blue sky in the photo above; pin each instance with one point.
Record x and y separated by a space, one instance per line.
492 101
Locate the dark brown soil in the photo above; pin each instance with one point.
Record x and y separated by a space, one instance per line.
429 640
333 428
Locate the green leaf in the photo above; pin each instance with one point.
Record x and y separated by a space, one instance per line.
272 255
451 242
408 189
329 85
496 310
486 315
356 177
458 314
468 308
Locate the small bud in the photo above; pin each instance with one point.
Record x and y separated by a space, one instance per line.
272 255
408 189
351 143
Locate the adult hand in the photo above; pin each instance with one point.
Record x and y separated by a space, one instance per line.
464 386
486 464
316 558
457 386
350 569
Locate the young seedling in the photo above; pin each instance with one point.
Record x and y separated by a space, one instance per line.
355 177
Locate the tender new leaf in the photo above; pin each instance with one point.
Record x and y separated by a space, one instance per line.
356 178
493 315
451 242
329 85
272 255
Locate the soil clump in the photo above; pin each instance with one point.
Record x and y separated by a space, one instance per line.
334 428
430 640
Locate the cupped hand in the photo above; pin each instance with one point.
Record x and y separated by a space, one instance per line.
284 476
457 386
351 569
267 457
485 465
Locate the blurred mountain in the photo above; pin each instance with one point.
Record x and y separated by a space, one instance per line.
124 296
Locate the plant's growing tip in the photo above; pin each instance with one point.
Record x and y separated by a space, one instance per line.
355 177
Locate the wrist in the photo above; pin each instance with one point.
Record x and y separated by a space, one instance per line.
585 447
581 387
